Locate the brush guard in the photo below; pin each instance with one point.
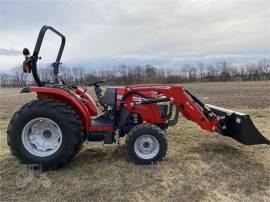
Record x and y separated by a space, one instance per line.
238 126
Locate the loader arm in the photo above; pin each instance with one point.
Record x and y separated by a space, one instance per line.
186 105
211 118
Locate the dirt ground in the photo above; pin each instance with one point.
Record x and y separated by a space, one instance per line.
199 166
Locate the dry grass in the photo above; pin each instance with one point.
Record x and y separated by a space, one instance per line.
198 166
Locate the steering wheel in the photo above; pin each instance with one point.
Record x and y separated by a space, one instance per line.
96 83
98 92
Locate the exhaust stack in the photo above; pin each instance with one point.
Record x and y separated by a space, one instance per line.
238 126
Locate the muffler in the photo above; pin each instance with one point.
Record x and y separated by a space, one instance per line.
238 126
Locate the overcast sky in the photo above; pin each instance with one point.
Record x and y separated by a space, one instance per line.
144 29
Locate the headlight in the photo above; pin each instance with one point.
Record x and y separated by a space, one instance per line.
163 109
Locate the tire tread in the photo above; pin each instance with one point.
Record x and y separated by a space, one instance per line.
70 116
134 133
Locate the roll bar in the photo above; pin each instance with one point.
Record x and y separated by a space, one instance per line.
35 56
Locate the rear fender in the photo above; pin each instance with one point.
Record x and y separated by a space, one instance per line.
64 96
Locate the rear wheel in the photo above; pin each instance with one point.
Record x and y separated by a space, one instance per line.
41 137
146 143
45 132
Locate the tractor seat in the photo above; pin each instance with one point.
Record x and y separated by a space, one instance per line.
109 97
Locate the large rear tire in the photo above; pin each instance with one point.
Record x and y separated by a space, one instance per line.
146 143
45 132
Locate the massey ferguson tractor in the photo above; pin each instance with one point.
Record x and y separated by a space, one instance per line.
50 130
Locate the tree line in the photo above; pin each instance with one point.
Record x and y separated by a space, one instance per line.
127 74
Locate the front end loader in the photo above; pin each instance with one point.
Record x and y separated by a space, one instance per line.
50 130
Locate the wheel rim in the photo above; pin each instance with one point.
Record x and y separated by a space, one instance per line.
41 137
146 146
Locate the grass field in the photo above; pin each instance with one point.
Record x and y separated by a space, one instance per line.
199 166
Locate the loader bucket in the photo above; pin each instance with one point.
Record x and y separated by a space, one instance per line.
238 126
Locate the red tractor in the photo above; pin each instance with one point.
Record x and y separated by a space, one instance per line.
50 130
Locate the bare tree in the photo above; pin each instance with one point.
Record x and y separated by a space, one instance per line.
151 74
122 75
20 76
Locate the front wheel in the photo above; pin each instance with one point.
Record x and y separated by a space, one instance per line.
146 143
45 132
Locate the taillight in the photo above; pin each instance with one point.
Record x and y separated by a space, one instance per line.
27 68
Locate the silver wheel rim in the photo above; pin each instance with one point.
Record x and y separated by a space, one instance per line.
41 137
146 146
